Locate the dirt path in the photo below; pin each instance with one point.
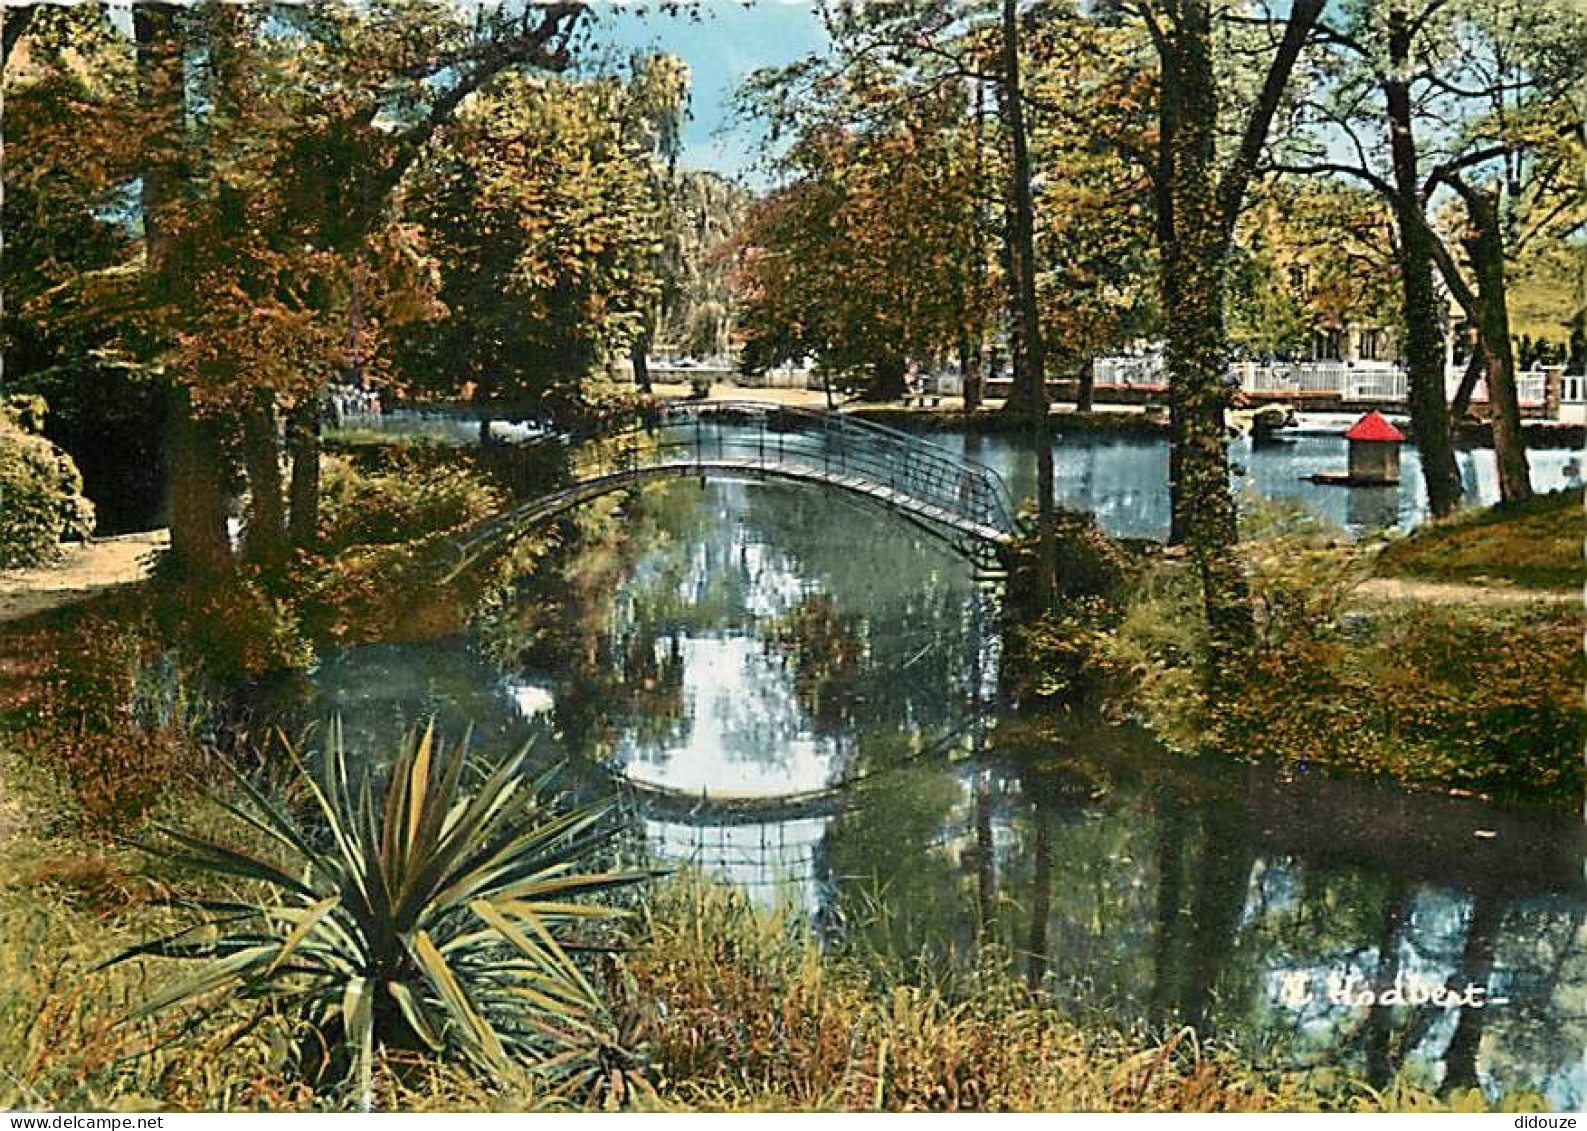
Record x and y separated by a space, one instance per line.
83 571
1457 593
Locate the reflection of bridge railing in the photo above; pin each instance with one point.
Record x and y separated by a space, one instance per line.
963 502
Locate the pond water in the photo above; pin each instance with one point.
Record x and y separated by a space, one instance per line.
1122 479
797 694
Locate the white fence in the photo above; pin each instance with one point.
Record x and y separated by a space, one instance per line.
1351 381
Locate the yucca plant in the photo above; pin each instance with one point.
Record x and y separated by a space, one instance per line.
411 914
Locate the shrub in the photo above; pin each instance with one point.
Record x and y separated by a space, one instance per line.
410 915
1061 652
407 499
232 629
41 492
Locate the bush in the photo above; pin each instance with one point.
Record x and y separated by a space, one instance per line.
410 497
41 499
1061 653
231 629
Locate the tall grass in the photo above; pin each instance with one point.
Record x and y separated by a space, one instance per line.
738 1008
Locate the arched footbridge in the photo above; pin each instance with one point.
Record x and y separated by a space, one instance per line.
963 503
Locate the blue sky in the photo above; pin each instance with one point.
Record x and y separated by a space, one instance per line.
728 42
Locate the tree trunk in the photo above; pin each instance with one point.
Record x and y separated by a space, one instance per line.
1424 355
1193 269
639 354
1475 366
1086 388
887 379
1486 249
198 513
266 536
304 530
199 541
970 373
1029 393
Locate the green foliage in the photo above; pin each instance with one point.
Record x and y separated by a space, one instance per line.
415 913
1477 698
412 495
232 628
868 256
41 500
1536 543
540 214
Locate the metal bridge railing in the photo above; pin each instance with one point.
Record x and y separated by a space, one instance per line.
822 445
965 500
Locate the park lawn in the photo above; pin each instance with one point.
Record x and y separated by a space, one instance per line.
1536 544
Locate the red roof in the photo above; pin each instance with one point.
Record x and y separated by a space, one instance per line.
1374 427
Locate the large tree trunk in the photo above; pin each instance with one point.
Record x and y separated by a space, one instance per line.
198 515
305 486
1193 270
1486 249
266 536
199 541
1029 393
1086 387
1424 354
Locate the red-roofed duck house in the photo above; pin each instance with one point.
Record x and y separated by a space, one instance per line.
1374 450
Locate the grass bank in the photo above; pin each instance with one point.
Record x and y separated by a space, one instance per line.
1478 697
1535 544
720 1007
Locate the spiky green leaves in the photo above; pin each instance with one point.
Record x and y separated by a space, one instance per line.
407 912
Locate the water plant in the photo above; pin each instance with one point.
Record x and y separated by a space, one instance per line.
411 914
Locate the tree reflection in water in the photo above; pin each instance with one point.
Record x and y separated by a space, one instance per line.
758 638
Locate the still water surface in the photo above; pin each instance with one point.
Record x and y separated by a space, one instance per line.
799 696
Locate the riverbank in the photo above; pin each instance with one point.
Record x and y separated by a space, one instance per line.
1439 659
1533 545
715 1006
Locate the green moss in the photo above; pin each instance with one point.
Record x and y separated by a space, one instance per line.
1536 544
